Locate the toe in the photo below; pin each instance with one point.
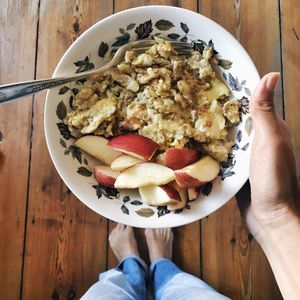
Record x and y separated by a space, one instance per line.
128 228
148 232
121 227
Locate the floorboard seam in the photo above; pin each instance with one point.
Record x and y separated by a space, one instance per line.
281 57
201 257
30 149
107 241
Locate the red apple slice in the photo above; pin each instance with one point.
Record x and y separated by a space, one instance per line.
161 159
193 193
144 174
124 162
135 145
180 158
105 175
183 198
159 195
97 146
204 170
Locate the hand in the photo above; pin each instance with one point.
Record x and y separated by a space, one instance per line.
273 178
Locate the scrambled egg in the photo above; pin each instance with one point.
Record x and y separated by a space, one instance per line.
168 98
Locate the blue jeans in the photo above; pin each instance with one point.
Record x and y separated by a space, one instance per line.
128 281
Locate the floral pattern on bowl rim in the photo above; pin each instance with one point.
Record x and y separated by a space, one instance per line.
128 202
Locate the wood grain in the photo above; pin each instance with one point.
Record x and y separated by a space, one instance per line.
186 248
66 241
291 69
265 51
125 4
18 22
224 235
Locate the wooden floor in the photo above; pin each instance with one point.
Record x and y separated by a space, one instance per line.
51 245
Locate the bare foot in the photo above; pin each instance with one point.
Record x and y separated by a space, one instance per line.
122 241
160 242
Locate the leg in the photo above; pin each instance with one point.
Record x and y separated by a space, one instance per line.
128 280
169 282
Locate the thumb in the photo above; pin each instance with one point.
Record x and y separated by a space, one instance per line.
262 108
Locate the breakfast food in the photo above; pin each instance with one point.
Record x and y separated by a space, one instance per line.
98 147
124 161
144 174
197 174
135 145
157 118
105 175
183 198
180 158
159 195
193 193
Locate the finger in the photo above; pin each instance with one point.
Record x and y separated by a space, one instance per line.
262 108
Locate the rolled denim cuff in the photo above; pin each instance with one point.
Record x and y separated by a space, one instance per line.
135 257
155 262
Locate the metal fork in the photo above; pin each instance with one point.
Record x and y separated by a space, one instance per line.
16 90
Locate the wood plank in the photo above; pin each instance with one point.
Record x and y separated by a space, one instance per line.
18 21
291 69
265 51
232 262
125 4
186 249
187 238
66 241
263 48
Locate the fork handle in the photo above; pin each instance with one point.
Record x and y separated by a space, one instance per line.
16 90
13 91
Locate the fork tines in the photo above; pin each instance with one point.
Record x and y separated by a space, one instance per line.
180 47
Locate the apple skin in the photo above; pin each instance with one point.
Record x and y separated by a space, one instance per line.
186 181
171 192
97 146
135 145
197 174
105 175
179 158
183 197
159 195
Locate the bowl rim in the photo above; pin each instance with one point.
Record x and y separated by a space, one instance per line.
103 21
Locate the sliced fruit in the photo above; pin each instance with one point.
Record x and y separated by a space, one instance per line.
180 158
183 198
98 147
193 193
105 175
135 145
144 174
159 195
161 159
204 170
124 162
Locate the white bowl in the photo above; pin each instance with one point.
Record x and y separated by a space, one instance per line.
126 206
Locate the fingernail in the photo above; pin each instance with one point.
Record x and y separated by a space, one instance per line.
272 81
